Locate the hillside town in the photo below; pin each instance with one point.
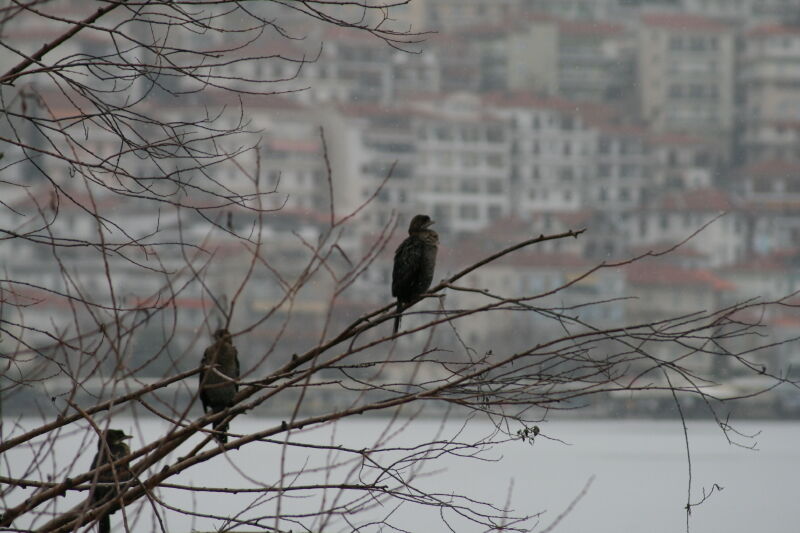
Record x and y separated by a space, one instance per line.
668 129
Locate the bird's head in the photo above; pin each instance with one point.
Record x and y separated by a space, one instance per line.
419 223
222 333
114 437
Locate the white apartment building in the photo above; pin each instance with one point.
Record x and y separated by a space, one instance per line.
774 182
449 15
622 169
673 217
373 156
770 140
444 155
769 82
463 162
596 60
686 73
747 11
684 161
551 152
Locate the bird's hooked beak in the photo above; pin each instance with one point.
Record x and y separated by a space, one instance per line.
429 223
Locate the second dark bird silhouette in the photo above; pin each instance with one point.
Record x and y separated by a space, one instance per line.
110 448
414 263
218 377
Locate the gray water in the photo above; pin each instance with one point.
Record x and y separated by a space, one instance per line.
638 472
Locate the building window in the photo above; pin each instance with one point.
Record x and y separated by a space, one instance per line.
443 134
470 186
697 44
470 135
441 213
494 160
627 171
672 158
495 135
468 212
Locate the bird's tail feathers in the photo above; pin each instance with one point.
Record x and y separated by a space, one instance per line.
221 432
104 524
397 318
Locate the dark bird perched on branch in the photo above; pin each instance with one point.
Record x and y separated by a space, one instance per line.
414 262
110 448
218 377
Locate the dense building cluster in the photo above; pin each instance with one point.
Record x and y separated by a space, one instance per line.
642 121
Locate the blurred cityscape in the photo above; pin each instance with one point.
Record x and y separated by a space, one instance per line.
641 121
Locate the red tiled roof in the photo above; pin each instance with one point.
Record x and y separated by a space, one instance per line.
678 138
571 219
683 21
591 28
787 123
69 199
784 207
365 109
600 114
538 259
786 321
769 169
34 296
686 251
770 263
506 230
523 258
513 229
531 100
652 273
258 101
770 30
437 114
487 29
592 113
696 200
514 22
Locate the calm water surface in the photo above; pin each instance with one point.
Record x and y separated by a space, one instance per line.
638 469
